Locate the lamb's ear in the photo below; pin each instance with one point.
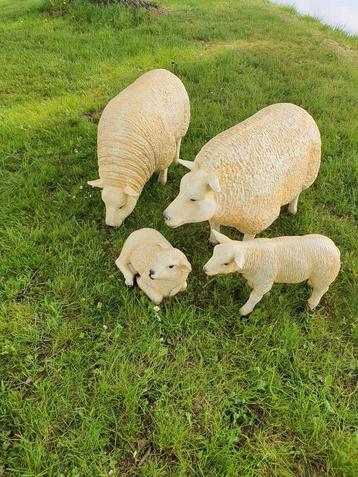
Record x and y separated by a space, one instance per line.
97 183
188 164
184 263
130 191
240 260
213 182
221 238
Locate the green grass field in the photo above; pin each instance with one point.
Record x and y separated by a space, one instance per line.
93 381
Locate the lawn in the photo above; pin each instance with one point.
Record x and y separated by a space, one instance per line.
94 381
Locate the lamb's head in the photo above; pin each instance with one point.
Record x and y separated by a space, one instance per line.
119 201
196 199
228 256
170 264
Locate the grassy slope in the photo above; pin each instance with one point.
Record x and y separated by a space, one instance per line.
91 379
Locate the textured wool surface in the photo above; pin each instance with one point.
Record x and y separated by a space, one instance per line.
140 128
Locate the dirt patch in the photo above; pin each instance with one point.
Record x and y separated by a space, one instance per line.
343 52
240 44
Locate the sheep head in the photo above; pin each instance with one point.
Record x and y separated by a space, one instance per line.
196 199
119 201
228 256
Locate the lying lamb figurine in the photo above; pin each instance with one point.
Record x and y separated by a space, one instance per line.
139 132
244 175
264 262
162 269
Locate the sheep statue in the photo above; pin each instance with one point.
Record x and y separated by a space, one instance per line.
161 269
264 262
139 133
244 175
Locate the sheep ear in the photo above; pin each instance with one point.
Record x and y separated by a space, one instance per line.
240 261
184 263
213 182
130 191
97 183
188 164
221 238
186 266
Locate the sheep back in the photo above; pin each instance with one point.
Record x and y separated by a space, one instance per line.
262 163
138 129
292 259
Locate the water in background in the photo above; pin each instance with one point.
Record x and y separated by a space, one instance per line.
337 13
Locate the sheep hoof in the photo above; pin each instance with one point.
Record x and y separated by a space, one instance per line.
213 241
311 305
245 310
292 209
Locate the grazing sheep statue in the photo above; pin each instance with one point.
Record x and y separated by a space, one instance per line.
244 175
162 269
139 133
264 262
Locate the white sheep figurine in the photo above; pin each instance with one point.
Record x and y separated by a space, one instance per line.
264 262
161 269
139 133
244 175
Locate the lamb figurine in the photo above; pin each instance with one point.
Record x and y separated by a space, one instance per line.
139 133
162 269
244 175
264 262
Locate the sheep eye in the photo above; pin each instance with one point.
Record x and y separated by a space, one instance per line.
226 264
170 266
193 200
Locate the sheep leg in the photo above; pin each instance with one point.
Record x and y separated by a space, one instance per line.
316 296
213 226
163 176
148 290
249 236
127 272
292 206
177 154
255 296
176 290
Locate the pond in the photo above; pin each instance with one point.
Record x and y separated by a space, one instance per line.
337 13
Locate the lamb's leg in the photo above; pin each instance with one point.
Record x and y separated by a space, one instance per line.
125 269
176 290
292 206
249 236
163 176
316 296
177 154
213 226
148 290
255 296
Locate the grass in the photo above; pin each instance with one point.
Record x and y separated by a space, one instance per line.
94 382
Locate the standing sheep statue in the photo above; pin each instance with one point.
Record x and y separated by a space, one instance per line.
139 133
244 175
264 262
